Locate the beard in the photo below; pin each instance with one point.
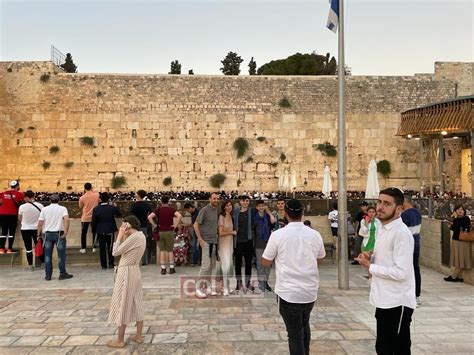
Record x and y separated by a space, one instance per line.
386 217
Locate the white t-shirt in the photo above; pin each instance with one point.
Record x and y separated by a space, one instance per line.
29 215
333 216
296 249
52 216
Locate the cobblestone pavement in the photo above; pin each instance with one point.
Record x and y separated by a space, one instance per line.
69 317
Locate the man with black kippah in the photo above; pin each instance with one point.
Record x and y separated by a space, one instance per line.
297 250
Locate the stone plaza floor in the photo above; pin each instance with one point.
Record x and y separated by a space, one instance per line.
70 316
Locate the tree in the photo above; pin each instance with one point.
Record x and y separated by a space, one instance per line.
301 64
68 65
231 64
191 72
252 67
175 67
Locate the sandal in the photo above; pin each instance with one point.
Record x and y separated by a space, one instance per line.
115 344
134 338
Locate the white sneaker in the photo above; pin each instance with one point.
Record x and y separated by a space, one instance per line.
418 301
94 250
82 251
200 294
226 292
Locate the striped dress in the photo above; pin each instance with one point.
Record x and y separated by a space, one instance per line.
127 299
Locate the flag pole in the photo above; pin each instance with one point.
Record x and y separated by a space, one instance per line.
343 260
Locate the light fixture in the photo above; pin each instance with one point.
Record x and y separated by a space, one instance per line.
444 133
417 138
455 137
409 136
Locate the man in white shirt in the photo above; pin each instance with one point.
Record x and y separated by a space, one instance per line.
333 219
54 223
28 214
296 249
392 290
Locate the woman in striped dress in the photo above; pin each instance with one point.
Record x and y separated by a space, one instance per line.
127 299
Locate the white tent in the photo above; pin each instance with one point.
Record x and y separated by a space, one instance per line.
293 181
286 181
327 184
372 187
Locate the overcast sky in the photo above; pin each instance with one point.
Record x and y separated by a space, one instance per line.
382 37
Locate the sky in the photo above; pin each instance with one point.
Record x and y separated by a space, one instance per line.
382 37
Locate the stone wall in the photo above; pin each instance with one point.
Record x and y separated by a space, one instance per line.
148 127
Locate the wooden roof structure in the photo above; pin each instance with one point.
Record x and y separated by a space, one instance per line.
450 118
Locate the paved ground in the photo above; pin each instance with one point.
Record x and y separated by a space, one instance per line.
70 316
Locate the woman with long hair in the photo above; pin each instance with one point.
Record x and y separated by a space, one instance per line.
226 242
460 257
127 298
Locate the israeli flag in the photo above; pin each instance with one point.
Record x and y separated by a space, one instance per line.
333 18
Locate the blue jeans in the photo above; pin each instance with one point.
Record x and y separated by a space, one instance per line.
196 249
50 239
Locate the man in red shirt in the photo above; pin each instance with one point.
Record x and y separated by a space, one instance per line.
10 201
163 218
87 203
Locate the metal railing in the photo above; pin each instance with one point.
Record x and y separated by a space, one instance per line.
57 57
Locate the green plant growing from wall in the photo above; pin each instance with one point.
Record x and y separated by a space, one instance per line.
217 180
88 141
241 145
46 164
44 78
118 181
167 181
326 149
282 157
68 164
384 168
284 102
19 131
54 149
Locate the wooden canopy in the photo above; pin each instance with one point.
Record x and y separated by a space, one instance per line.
450 118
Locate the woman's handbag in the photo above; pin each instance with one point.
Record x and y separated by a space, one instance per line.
39 247
466 236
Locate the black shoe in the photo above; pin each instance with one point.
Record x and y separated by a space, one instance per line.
250 287
163 271
267 287
355 263
172 270
47 278
65 276
238 286
450 279
457 279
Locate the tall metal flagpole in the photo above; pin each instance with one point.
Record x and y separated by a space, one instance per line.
343 261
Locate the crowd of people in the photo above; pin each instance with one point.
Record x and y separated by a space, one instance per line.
223 234
195 195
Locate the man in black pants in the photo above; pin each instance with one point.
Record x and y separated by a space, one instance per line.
243 243
28 215
104 226
392 290
141 209
297 250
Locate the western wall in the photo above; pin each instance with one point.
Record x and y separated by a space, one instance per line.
148 127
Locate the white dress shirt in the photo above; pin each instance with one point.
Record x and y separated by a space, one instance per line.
296 249
393 276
